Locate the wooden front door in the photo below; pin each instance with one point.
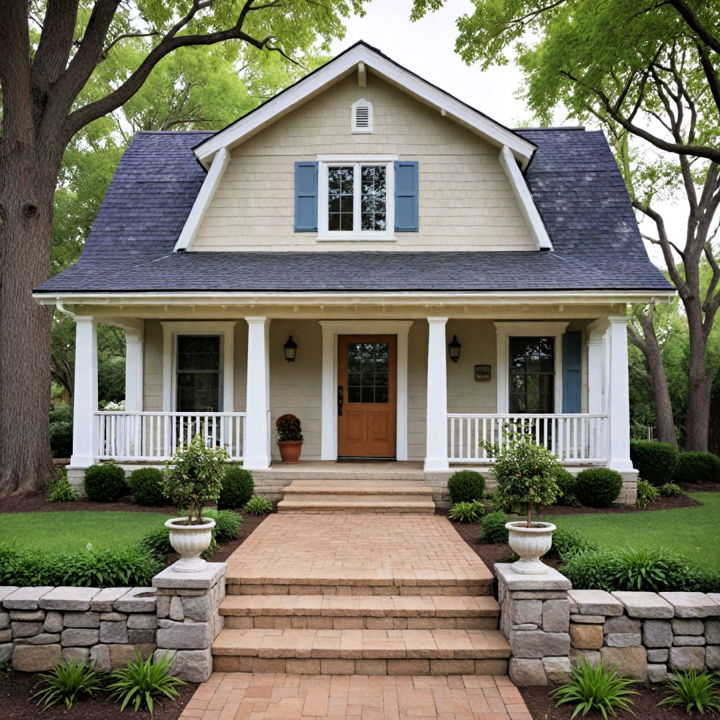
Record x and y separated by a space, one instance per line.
367 392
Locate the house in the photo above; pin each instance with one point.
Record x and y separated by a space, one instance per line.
405 274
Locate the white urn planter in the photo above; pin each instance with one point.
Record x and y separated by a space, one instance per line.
189 541
530 543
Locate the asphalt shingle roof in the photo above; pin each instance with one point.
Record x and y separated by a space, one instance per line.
572 177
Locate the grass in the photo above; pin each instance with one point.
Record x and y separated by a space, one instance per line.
72 531
692 532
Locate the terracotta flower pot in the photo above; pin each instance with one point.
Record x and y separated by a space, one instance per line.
290 450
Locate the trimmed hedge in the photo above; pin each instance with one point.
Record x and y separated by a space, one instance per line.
654 461
695 467
566 482
466 486
105 483
146 487
237 488
598 487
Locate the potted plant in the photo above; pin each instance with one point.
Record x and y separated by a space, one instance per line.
526 477
192 480
290 438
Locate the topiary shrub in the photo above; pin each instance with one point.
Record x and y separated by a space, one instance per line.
227 524
466 486
598 487
105 483
146 487
566 482
654 461
696 467
493 527
237 488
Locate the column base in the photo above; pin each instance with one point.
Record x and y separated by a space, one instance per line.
256 463
436 465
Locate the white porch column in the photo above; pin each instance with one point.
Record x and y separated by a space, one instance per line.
436 423
618 396
257 421
134 362
596 367
85 395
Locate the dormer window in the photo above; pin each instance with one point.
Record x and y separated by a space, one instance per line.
362 116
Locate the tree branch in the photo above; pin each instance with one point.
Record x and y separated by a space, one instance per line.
695 25
55 44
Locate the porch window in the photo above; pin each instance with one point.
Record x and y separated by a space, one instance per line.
198 373
532 374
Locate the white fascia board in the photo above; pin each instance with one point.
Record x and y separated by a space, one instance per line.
524 198
203 200
340 67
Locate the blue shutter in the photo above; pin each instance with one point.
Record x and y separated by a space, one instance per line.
306 196
406 196
572 372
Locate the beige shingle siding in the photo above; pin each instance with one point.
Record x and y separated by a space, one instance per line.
466 202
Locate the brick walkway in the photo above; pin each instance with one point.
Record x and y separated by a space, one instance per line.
247 696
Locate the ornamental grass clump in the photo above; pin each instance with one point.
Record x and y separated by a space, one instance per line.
467 512
67 682
693 691
193 478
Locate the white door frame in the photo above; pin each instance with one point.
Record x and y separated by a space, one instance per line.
329 422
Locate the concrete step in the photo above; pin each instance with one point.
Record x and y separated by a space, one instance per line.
379 612
375 505
363 652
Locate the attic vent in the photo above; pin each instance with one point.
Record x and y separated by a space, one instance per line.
362 116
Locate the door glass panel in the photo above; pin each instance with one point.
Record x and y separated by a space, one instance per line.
367 365
340 198
372 193
198 373
532 374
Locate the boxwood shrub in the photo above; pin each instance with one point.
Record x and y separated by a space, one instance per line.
493 527
227 524
146 487
105 482
598 487
566 483
694 467
237 488
654 461
466 486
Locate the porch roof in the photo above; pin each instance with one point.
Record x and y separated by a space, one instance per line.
572 177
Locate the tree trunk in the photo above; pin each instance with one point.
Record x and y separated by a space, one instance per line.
27 183
697 416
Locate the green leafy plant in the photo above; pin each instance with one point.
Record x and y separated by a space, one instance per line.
61 430
68 681
696 467
566 484
693 690
493 527
140 682
467 512
193 478
59 489
566 543
598 487
227 524
105 482
526 476
146 487
288 428
646 493
595 688
654 461
258 505
237 488
466 486
670 490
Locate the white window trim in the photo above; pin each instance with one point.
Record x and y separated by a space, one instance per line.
371 111
171 330
329 422
504 331
327 161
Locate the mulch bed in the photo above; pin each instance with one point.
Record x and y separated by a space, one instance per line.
542 706
17 687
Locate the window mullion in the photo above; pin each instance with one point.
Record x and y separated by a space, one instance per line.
357 198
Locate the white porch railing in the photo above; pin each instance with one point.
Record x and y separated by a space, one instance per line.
574 438
155 436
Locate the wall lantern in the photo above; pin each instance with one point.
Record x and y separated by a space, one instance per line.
290 348
454 349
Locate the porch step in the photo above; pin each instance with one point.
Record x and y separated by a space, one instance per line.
339 612
363 652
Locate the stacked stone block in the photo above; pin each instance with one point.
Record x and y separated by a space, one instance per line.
535 618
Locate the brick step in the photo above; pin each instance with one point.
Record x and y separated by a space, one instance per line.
350 491
339 612
377 504
373 652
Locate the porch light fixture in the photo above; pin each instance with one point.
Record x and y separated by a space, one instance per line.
454 349
290 348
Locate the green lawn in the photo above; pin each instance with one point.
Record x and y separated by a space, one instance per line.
692 532
72 531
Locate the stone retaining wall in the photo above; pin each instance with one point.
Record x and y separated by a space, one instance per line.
39 626
649 635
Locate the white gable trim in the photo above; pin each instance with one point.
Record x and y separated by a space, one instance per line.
203 200
524 199
396 75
